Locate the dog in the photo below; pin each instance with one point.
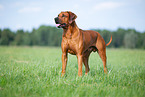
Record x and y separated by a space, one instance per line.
79 42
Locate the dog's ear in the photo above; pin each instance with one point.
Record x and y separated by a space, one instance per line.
72 17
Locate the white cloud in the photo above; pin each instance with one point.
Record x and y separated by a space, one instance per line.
29 9
1 6
107 5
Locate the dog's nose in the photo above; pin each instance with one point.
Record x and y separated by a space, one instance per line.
56 20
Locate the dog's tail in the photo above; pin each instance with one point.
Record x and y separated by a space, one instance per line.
109 41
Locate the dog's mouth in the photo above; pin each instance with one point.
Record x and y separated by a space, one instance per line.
61 25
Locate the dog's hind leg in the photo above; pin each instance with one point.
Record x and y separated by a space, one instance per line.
102 55
102 52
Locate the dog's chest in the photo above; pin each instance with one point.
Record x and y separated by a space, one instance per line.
72 41
71 45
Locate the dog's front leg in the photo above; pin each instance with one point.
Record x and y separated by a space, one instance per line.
80 58
64 63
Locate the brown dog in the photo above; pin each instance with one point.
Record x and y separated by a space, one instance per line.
79 42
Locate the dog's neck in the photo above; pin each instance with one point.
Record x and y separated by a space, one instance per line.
71 31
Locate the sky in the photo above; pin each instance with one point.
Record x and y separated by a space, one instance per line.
91 14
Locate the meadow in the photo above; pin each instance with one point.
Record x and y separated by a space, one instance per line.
35 72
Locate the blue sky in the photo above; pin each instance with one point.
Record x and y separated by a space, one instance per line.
99 14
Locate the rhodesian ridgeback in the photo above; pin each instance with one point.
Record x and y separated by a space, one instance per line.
79 42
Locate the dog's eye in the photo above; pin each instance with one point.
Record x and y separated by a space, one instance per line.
63 15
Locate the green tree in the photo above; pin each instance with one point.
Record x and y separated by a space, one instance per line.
143 40
47 35
130 40
6 37
0 33
42 34
34 39
19 37
55 36
52 36
118 37
27 39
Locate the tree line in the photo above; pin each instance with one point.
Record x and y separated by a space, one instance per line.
51 36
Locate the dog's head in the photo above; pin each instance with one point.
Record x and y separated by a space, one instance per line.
64 19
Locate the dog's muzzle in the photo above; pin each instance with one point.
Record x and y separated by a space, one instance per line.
58 24
56 20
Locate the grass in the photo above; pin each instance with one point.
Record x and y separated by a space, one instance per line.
35 71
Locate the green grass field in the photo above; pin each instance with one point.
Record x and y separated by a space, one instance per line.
35 71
